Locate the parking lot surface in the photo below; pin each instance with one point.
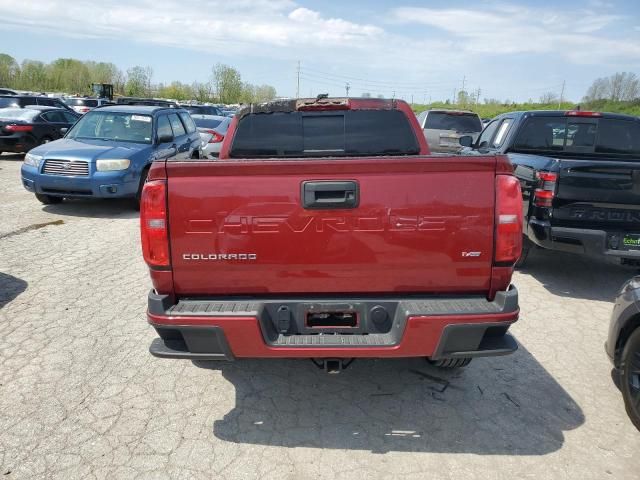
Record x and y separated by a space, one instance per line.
80 396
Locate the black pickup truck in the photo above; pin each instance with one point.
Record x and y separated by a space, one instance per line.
580 178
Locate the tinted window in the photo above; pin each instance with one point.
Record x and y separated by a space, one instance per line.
176 125
118 126
343 133
618 136
54 117
164 127
580 134
542 133
460 122
188 122
487 134
207 122
70 117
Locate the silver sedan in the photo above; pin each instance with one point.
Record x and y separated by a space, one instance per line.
212 129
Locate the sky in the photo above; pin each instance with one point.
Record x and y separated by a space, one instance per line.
425 50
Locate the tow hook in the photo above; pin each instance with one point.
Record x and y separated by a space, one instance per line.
332 365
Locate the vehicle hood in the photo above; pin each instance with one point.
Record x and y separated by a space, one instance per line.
88 150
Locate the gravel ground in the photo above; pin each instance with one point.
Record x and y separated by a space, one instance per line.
80 397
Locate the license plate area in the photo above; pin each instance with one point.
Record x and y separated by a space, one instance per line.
331 319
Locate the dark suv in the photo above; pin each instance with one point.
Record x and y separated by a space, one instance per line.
21 101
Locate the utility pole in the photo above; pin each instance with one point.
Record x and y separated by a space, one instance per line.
412 99
454 97
464 80
347 87
478 96
298 84
561 95
394 94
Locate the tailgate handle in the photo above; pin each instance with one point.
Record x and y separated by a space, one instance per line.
330 194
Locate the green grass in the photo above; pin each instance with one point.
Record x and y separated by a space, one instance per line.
490 110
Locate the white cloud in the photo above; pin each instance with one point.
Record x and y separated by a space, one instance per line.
200 25
569 34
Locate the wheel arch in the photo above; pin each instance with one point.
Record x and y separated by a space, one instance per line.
629 327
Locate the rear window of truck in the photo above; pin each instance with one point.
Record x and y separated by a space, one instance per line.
459 122
564 134
344 133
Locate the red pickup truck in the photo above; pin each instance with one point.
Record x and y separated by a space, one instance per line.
326 230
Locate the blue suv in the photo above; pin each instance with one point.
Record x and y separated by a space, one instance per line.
108 152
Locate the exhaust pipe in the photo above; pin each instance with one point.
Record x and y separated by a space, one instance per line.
332 365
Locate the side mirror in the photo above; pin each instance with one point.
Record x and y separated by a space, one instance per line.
64 130
165 138
466 140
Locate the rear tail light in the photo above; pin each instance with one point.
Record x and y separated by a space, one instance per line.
18 128
543 195
153 224
581 113
508 243
216 138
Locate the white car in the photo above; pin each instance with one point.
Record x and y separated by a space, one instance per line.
443 128
212 129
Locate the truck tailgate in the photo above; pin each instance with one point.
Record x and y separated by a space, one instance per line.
421 224
598 193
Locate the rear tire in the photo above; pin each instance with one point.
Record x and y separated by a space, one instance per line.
143 179
48 199
450 362
630 379
527 245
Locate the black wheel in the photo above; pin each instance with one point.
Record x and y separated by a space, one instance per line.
143 179
450 362
527 245
630 381
48 199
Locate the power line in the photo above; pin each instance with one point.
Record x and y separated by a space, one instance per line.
316 72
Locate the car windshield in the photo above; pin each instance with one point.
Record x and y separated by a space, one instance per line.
22 114
458 121
81 102
119 126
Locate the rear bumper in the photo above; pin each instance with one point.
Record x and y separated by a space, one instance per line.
576 240
426 327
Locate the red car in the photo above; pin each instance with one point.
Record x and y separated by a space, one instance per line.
326 230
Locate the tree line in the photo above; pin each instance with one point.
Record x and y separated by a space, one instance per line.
74 77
